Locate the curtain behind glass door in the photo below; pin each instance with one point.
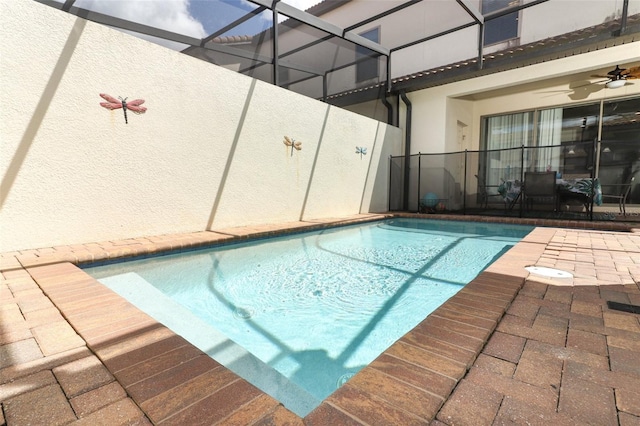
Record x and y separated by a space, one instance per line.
502 132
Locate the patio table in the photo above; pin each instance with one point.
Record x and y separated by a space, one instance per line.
582 187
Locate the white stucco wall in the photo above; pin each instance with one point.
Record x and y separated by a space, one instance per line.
576 14
208 153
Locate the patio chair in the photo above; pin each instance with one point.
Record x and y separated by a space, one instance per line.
620 192
540 188
483 192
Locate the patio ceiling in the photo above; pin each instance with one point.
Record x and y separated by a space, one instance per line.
240 35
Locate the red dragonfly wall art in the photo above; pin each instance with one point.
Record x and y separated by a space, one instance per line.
113 103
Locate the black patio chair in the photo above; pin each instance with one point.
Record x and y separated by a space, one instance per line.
540 188
484 194
620 193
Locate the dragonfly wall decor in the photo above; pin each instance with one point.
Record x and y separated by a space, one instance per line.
361 150
292 143
113 103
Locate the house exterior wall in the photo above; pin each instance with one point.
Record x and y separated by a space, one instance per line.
374 109
428 18
402 27
207 154
437 110
542 21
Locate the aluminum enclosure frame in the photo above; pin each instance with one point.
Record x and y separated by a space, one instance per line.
298 17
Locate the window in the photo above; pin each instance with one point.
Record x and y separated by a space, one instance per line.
503 135
503 28
367 67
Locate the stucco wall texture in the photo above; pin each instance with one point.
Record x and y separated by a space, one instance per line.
207 154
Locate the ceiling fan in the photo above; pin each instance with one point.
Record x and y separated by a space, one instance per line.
618 77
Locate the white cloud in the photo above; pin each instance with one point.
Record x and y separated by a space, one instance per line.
170 15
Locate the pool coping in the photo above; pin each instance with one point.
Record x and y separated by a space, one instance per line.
171 381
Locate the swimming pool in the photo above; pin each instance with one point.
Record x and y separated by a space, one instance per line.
298 315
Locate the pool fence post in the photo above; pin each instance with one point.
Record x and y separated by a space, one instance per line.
595 161
390 182
522 189
464 185
419 180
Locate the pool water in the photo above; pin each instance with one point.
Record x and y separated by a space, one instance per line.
299 315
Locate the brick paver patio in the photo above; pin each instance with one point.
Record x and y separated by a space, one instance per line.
509 348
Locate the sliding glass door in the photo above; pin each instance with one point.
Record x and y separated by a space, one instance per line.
619 150
571 131
593 140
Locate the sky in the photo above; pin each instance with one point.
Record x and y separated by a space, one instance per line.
196 18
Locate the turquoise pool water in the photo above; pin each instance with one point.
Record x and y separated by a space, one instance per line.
299 315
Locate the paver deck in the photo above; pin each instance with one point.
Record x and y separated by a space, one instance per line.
509 348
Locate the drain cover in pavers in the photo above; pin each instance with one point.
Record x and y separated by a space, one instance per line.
548 272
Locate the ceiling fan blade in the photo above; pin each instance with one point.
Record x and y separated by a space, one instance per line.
633 72
600 76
